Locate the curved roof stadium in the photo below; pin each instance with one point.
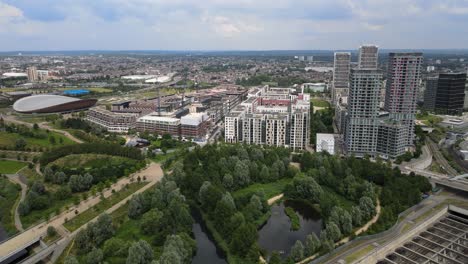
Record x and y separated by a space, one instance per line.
48 103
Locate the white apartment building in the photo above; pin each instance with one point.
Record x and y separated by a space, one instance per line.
325 142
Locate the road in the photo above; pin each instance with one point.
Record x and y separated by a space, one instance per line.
153 174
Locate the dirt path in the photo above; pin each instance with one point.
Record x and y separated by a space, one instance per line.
273 199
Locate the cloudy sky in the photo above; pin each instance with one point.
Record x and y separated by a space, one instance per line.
231 24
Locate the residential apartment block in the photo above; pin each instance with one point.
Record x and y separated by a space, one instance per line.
341 70
112 121
271 116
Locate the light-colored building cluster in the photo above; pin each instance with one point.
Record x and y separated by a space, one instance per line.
271 116
366 129
189 116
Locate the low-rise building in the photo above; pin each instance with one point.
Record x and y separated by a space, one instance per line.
325 142
112 121
195 125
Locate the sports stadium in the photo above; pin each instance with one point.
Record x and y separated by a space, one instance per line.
48 103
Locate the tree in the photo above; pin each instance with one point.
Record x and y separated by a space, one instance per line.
356 216
264 174
304 187
140 253
115 247
38 187
241 173
52 140
333 231
82 242
60 177
178 248
275 258
35 126
243 238
51 232
297 251
103 229
312 244
328 245
135 207
367 207
228 181
151 222
20 143
48 174
71 260
95 256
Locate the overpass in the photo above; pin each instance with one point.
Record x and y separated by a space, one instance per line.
456 182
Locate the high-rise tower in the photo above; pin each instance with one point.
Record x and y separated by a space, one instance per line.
368 57
341 70
403 79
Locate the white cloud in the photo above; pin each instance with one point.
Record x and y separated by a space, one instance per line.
8 11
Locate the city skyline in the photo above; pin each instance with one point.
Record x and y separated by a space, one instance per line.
230 25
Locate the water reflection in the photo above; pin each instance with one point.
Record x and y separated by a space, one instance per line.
206 249
276 234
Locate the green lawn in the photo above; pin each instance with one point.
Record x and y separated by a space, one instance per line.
9 193
429 119
7 140
91 213
319 102
88 160
270 189
10 166
341 201
359 254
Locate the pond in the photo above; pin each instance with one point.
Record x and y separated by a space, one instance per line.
276 234
3 234
206 248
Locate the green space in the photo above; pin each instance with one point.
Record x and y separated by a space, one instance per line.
105 204
320 121
356 255
268 189
293 217
35 141
10 166
30 175
9 194
88 161
429 119
317 102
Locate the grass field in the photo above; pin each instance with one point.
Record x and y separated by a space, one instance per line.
30 174
270 189
8 140
10 166
341 201
88 160
93 89
96 210
9 193
359 254
319 102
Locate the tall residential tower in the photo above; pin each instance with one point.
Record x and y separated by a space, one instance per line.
368 57
341 70
403 79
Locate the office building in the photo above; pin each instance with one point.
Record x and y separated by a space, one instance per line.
450 94
341 69
362 120
32 74
403 79
368 57
271 116
430 93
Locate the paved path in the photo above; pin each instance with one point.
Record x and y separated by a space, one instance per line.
24 189
153 174
273 199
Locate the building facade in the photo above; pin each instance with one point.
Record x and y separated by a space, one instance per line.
430 93
362 120
341 70
271 116
159 124
112 121
450 95
368 57
403 79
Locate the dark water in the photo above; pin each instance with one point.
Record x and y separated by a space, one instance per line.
276 234
3 234
206 249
